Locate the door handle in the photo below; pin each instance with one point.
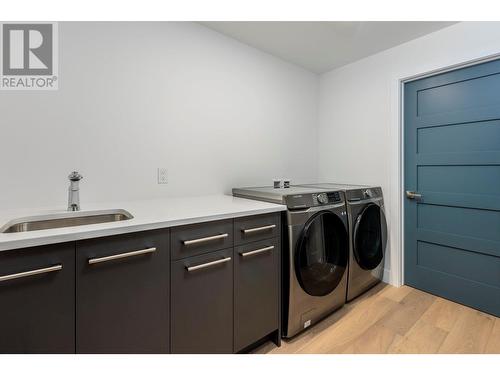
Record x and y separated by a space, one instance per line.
209 264
259 229
413 195
205 239
122 255
258 251
39 271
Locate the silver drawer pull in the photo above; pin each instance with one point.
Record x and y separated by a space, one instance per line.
252 230
122 255
205 239
39 271
258 251
209 264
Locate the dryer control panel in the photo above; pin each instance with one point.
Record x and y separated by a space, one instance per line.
364 194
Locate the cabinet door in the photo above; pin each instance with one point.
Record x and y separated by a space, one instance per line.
202 303
37 300
256 291
122 285
196 239
255 228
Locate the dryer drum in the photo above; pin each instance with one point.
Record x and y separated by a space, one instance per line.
369 237
321 254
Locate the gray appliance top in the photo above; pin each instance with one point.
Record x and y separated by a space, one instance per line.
294 197
334 186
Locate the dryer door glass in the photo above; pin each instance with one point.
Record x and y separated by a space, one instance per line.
322 253
370 237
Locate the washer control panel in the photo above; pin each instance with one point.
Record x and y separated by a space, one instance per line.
327 198
304 201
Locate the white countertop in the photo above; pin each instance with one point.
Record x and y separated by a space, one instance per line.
148 214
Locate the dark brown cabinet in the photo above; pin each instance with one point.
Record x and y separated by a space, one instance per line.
256 294
202 303
197 239
37 299
122 294
225 300
211 287
254 228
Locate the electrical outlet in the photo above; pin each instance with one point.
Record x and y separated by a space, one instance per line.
162 176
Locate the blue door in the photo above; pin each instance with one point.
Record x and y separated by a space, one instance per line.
452 183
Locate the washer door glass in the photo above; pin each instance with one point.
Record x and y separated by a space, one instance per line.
370 237
321 254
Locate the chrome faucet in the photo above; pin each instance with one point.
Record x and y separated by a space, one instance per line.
74 191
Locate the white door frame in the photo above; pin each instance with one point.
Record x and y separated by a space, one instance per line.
397 162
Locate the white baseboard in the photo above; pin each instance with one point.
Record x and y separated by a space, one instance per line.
387 277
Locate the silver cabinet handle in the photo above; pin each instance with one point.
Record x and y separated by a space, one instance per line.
209 264
205 239
122 255
413 195
39 271
258 251
252 230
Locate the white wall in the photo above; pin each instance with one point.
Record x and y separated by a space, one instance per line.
136 96
359 112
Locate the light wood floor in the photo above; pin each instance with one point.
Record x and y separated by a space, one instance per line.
397 320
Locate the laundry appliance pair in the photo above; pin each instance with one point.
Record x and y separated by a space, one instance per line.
334 240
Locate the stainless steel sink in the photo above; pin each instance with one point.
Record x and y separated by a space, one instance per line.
63 220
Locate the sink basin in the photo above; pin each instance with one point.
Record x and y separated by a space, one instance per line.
64 220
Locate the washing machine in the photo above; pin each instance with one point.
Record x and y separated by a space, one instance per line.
315 252
367 235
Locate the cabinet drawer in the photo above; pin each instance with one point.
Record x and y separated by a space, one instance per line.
196 239
37 300
256 291
122 287
255 228
202 303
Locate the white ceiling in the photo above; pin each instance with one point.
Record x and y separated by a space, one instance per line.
323 46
